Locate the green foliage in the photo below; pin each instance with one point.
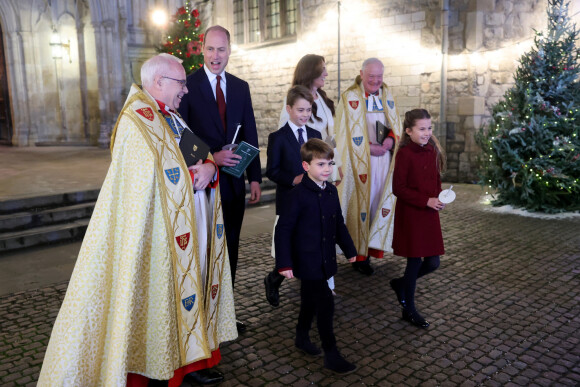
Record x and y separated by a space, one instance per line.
184 39
531 146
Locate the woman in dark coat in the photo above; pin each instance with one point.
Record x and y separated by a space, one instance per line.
417 184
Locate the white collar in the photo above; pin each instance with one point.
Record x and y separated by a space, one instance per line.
211 76
295 127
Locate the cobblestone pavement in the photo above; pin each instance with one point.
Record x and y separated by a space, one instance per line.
503 306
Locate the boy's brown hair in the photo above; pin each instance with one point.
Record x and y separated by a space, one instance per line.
316 149
299 92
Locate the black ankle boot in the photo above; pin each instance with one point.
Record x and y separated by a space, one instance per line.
412 316
304 344
334 361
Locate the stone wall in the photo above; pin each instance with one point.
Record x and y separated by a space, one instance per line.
74 99
78 100
485 39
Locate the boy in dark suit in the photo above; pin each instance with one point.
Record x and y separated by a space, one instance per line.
284 165
305 237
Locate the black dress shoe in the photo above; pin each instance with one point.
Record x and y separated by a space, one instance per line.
334 361
415 318
306 346
241 326
363 267
206 376
396 286
272 294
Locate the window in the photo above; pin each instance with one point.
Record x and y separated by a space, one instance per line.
257 21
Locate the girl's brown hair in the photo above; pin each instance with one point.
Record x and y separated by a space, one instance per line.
309 68
411 118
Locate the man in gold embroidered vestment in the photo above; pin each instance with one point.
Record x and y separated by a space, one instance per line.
150 296
365 191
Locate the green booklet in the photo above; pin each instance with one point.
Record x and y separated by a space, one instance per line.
248 153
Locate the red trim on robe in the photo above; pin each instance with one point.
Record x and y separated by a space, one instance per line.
372 253
136 380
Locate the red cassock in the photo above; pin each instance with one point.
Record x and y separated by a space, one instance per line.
416 179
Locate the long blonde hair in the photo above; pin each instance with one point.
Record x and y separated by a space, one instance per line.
410 118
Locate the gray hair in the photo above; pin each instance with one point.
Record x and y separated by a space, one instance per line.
371 61
155 66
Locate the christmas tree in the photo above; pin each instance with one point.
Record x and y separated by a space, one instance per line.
531 146
184 39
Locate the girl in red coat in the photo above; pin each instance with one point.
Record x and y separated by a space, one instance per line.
417 184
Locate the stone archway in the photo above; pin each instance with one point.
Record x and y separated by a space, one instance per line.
5 117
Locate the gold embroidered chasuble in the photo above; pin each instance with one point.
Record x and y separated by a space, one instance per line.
135 302
352 142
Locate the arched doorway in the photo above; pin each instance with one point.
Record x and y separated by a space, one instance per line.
5 120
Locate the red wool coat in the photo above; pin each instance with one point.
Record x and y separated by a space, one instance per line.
416 179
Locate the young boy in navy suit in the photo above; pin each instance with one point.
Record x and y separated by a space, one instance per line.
284 165
305 239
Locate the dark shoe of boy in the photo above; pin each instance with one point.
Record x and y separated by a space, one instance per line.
412 316
363 267
304 344
205 377
272 283
398 289
334 361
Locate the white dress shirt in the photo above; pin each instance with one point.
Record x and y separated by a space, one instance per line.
213 81
295 128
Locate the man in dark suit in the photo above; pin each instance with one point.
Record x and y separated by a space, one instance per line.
284 165
216 105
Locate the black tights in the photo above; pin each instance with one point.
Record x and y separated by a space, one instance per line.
416 268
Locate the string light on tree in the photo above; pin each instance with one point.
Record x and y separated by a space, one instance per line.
185 38
535 122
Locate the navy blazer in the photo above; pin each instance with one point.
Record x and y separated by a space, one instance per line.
306 235
199 110
284 161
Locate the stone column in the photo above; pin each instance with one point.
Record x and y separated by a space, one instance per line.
24 133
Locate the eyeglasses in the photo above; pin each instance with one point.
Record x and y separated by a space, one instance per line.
180 81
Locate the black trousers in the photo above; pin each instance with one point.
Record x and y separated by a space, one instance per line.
233 211
316 300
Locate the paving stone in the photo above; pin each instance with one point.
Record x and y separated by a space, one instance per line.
503 309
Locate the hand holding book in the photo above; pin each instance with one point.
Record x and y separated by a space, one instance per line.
382 132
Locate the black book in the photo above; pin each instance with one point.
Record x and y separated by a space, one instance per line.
192 147
382 132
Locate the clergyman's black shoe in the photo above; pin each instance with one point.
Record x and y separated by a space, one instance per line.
205 377
396 286
415 318
241 326
363 267
272 293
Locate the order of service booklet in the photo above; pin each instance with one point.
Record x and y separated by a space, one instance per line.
248 153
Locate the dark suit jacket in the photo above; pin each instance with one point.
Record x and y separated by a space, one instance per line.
306 234
284 161
199 110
